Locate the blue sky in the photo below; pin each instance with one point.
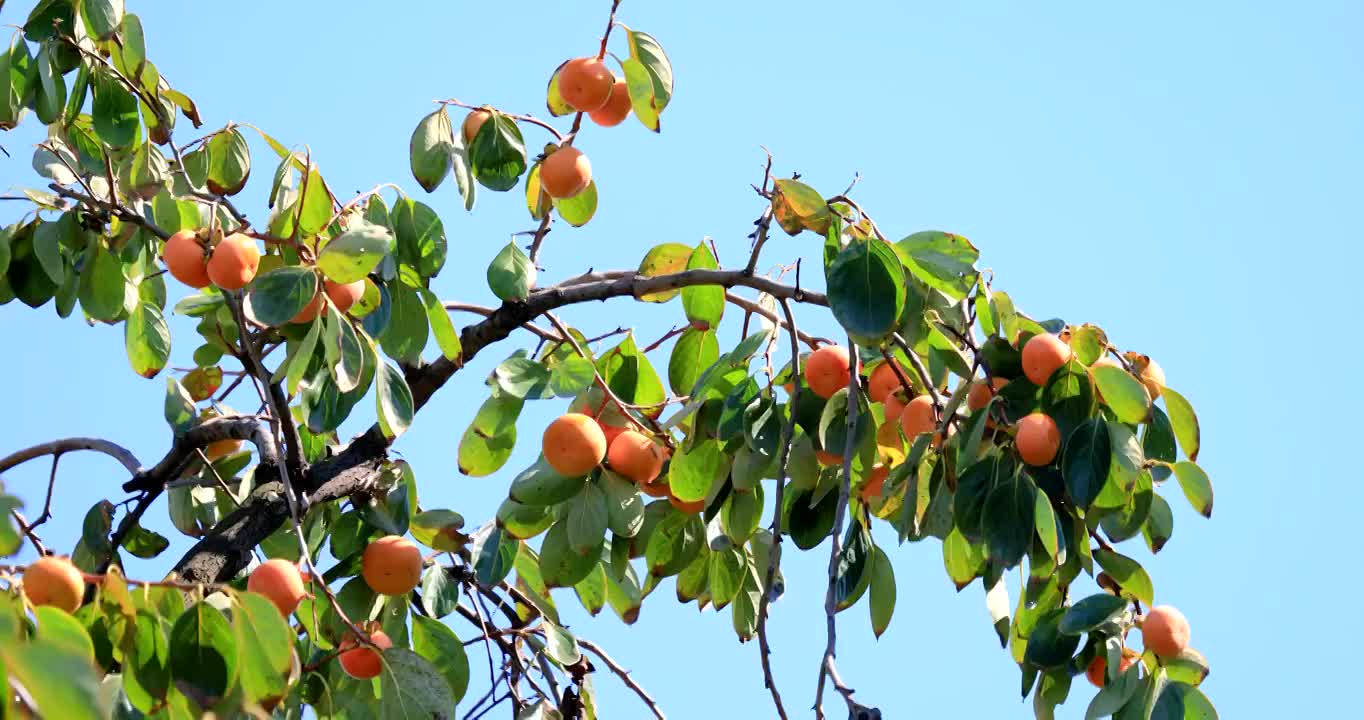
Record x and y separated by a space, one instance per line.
1185 175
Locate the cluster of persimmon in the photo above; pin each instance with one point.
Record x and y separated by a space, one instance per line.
1165 634
575 443
587 86
232 263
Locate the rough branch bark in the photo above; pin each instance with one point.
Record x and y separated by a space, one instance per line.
226 550
57 447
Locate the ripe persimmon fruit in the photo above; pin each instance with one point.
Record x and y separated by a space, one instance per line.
919 416
883 382
687 506
565 173
1038 439
185 259
1043 355
585 84
56 582
363 662
574 444
472 122
829 459
234 262
279 581
635 456
875 483
391 565
1098 668
826 370
617 106
980 393
1165 631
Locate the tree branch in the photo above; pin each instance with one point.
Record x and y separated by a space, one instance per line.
57 447
624 676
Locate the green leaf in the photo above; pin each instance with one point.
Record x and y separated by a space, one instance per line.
229 163
630 375
1131 578
301 358
1090 613
147 340
280 294
1189 668
587 518
438 529
1048 647
1158 438
1160 524
114 110
511 275
1123 393
315 210
57 628
395 401
1086 460
437 643
694 351
1088 342
648 77
1068 397
143 543
1184 422
1007 518
102 17
964 561
408 324
354 253
523 521
539 484
344 351
944 261
50 91
1112 697
47 247
430 147
882 604
804 202
447 338
420 235
624 506
560 564
703 304
1196 486
664 259
412 687
439 593
62 683
560 645
866 290
498 153
264 646
571 376
809 524
579 209
694 469
727 570
674 543
102 284
146 673
203 655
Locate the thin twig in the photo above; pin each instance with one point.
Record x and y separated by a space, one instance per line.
624 676
27 531
540 332
601 382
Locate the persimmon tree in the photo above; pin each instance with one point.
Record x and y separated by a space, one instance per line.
318 578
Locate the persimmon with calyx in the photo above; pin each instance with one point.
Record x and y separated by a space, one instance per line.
363 662
826 370
185 259
1165 631
1043 355
280 582
1149 373
56 582
884 381
617 106
574 444
919 416
472 122
343 296
635 456
1037 439
1098 668
391 565
585 83
234 262
565 173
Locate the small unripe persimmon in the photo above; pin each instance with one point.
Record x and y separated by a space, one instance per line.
279 581
826 370
827 458
234 262
391 565
56 582
565 173
1038 439
1043 355
875 483
472 122
617 107
883 381
980 393
635 456
919 416
1165 631
574 444
363 662
1098 668
585 83
185 259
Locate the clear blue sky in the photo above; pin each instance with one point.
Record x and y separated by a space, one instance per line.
1186 175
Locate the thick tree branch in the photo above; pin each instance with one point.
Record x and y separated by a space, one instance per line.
57 447
183 450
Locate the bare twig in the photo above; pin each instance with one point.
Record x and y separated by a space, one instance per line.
27 531
624 676
57 447
752 307
540 332
530 119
